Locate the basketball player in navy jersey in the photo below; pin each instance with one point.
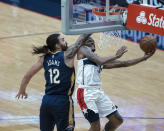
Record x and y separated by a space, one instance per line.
90 96
58 62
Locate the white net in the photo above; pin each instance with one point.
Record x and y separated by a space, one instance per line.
108 39
112 38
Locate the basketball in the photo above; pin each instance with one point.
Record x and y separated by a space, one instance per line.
148 43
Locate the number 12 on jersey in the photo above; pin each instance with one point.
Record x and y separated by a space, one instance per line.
54 75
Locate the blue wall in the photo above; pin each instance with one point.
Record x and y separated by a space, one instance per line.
47 7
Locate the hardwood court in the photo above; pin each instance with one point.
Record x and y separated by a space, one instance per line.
137 90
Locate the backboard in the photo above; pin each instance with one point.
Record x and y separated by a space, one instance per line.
77 16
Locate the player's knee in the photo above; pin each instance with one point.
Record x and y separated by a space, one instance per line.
120 120
96 126
115 121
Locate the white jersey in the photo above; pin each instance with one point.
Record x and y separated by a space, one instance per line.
89 94
88 73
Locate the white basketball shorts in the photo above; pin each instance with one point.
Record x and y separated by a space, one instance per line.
94 103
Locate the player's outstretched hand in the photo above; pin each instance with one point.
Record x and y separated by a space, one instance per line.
148 55
121 51
22 94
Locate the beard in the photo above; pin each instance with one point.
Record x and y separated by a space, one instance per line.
64 47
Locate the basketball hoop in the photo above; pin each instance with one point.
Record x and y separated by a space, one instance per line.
111 37
113 10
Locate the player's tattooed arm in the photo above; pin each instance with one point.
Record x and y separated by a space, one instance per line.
86 51
72 50
118 64
27 77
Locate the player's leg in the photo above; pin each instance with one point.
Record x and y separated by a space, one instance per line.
47 122
95 126
108 109
64 114
115 120
87 102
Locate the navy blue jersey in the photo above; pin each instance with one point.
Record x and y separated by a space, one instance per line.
60 79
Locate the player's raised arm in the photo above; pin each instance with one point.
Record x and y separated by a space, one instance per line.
72 50
27 77
118 64
87 52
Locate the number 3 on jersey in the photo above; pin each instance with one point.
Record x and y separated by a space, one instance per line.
54 75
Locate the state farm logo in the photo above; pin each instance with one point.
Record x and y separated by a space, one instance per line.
152 21
141 18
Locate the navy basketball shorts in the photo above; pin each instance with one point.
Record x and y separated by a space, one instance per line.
57 110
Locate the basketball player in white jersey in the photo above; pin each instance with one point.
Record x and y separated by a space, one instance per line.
90 96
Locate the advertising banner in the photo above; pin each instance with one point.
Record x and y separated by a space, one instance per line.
144 18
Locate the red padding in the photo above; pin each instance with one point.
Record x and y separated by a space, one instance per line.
145 18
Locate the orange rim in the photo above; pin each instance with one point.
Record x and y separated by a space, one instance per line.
97 12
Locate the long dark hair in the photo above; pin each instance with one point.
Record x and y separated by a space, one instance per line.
51 41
